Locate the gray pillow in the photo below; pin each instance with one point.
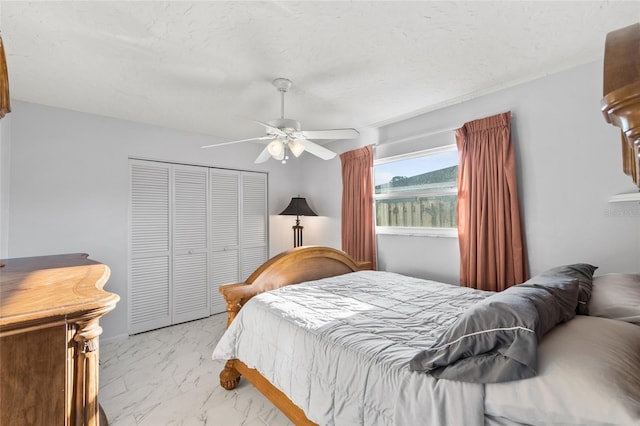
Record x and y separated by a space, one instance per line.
496 339
583 272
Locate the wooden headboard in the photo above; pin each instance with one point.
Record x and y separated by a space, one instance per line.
291 267
621 87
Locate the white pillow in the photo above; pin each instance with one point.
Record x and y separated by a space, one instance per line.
616 296
588 374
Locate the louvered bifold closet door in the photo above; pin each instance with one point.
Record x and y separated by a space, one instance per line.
150 246
225 232
190 243
254 235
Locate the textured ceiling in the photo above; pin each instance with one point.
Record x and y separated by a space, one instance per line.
207 67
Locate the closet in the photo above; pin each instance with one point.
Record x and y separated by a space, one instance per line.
192 228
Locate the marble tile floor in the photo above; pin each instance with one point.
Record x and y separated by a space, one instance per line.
167 377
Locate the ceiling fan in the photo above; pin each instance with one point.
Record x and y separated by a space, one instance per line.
286 135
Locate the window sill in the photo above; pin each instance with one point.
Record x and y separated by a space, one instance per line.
417 232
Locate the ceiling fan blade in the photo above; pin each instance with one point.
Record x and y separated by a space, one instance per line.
261 138
273 130
315 149
331 134
264 156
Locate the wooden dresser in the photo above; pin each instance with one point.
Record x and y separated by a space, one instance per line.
50 307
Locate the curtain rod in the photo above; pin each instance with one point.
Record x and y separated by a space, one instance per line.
424 135
421 135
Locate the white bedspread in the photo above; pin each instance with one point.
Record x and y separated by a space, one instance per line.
339 348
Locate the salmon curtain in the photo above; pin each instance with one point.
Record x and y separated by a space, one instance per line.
358 229
492 250
5 102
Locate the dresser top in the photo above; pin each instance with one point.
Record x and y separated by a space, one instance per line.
34 289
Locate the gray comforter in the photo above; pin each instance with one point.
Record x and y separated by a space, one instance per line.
339 348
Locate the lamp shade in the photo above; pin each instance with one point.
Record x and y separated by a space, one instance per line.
296 148
275 148
298 207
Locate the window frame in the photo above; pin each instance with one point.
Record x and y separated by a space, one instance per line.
414 230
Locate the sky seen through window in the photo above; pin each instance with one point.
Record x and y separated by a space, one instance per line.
383 173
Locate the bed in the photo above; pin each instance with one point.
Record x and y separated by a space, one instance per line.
346 345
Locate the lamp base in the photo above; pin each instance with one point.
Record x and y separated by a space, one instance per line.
297 235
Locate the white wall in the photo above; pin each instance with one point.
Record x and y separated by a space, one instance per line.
569 165
70 186
69 182
5 167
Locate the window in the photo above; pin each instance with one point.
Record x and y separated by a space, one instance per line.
417 193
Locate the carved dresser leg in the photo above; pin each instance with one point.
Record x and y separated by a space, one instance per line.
229 376
85 391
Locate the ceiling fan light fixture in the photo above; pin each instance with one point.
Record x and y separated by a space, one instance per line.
296 148
276 148
286 134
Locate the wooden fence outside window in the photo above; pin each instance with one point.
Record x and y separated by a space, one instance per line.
432 212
